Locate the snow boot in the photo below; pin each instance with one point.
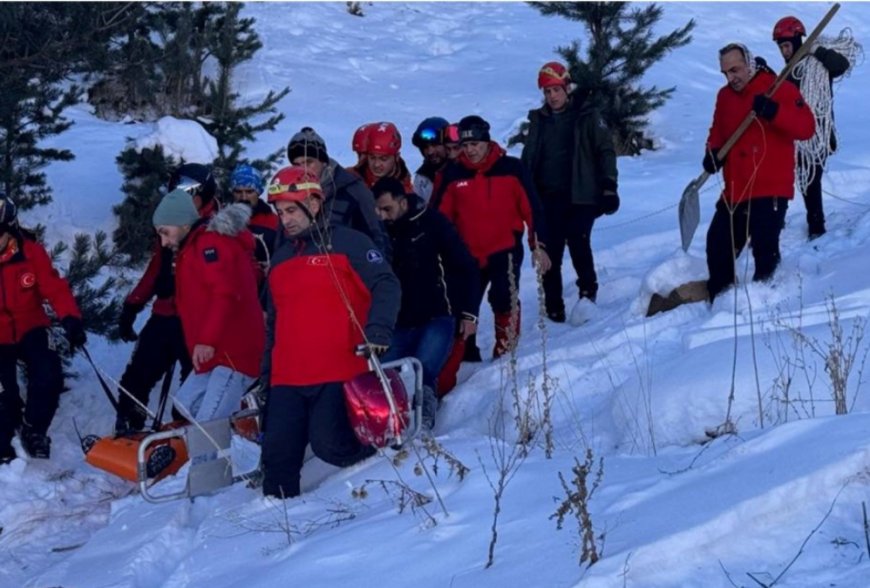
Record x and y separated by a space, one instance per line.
583 311
447 377
505 339
37 445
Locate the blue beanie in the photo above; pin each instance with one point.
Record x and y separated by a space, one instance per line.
245 176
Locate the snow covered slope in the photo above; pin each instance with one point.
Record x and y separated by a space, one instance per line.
640 393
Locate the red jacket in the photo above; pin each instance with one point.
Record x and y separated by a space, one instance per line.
489 202
216 292
762 162
27 279
158 279
310 335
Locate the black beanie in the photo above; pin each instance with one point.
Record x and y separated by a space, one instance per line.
307 143
473 128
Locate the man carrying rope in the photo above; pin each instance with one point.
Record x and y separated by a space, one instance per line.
331 299
814 76
759 169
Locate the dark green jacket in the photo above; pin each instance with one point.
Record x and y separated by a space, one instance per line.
593 168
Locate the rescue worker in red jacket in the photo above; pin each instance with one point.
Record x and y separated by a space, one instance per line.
161 341
758 170
382 160
489 196
331 299
217 301
27 280
246 185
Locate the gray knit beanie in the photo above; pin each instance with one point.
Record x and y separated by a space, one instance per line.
176 210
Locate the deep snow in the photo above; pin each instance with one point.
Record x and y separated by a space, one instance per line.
640 393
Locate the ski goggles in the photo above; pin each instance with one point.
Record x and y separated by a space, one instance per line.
427 136
188 185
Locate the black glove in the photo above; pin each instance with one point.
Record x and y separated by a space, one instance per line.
712 163
368 349
125 323
764 107
609 202
820 53
75 331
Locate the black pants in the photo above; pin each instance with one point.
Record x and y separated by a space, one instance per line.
497 275
297 416
813 203
161 342
760 220
569 224
44 384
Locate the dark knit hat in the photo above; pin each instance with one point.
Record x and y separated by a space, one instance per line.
473 128
176 209
307 143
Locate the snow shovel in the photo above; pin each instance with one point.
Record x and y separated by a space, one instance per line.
690 208
380 407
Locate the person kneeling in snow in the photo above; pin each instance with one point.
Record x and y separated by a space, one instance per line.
27 280
331 297
216 297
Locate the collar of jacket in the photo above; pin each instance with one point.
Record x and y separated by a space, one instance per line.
416 208
484 165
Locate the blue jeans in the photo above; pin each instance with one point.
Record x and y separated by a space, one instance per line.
431 344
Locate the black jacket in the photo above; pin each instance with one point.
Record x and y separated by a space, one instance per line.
433 265
593 168
836 65
351 204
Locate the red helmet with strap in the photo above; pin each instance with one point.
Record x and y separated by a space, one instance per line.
384 139
294 184
553 73
787 28
360 140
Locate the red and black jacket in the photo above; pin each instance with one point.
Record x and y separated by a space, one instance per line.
761 163
489 202
159 277
319 299
27 280
216 291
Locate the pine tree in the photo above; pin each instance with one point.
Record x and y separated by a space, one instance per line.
621 48
146 173
42 44
99 305
233 42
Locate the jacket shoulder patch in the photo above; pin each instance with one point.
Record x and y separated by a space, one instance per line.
210 254
374 256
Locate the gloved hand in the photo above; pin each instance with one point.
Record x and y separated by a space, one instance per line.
125 323
75 331
712 163
764 107
368 349
609 202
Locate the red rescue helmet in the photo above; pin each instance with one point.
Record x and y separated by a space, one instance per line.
450 134
360 140
553 73
293 184
787 28
384 139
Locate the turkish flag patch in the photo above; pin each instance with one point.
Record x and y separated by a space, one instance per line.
27 280
210 254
